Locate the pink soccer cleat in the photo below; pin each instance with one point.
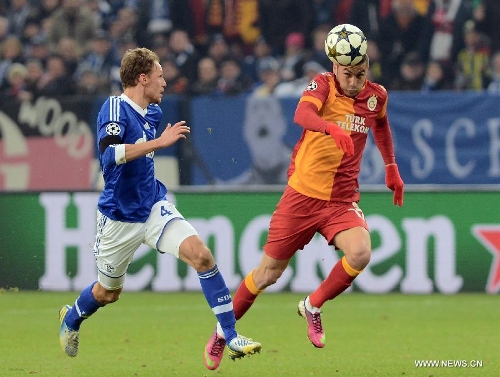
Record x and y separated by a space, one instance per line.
315 331
214 350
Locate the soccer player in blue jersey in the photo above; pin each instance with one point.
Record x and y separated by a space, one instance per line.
133 209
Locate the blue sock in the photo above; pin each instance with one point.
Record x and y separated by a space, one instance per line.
85 305
219 298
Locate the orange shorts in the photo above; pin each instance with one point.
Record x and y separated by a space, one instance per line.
298 217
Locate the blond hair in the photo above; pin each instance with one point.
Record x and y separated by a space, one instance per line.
135 62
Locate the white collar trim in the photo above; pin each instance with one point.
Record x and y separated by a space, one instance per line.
135 106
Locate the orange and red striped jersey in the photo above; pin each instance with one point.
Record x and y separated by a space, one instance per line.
318 168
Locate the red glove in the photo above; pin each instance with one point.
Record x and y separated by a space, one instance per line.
342 140
394 183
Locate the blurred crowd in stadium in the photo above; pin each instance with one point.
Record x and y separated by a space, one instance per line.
228 47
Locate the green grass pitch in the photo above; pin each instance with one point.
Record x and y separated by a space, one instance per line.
163 334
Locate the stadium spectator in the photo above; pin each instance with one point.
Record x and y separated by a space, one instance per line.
473 70
404 25
19 11
249 63
208 76
322 192
404 30
214 16
90 83
294 57
35 71
268 70
448 18
436 77
218 48
323 12
375 68
11 51
154 17
317 51
15 90
494 85
44 9
159 17
73 19
236 20
55 81
295 87
160 46
191 17
236 50
278 18
486 15
70 52
38 48
31 29
115 6
101 12
176 82
367 15
411 74
244 27
443 14
133 208
338 11
232 81
100 57
45 27
184 54
124 25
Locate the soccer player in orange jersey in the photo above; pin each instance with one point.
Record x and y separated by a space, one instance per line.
336 111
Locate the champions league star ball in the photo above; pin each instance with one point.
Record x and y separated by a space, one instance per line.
345 44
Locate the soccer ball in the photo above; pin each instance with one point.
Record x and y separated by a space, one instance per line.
345 44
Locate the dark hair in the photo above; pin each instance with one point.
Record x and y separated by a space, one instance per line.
135 62
365 59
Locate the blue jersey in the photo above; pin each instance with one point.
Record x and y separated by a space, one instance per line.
130 188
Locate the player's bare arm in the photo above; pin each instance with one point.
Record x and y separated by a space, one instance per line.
169 136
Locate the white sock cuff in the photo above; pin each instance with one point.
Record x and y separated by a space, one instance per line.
311 308
220 332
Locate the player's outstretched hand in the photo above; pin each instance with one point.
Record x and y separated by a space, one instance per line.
173 133
342 140
394 183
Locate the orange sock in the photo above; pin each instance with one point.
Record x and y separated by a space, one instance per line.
339 279
245 296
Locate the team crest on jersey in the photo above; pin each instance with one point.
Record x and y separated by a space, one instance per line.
113 129
372 102
109 268
313 85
